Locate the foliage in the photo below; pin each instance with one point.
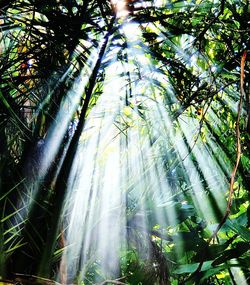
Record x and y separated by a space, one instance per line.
195 48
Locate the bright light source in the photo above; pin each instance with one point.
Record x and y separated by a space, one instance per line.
120 8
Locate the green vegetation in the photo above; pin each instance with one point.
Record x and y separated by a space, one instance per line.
149 99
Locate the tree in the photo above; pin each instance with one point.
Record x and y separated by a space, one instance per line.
123 115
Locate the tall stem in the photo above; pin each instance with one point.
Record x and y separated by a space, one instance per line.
63 176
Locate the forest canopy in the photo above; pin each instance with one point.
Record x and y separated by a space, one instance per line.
124 142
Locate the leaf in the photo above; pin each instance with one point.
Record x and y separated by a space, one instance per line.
215 250
127 111
190 268
238 226
185 211
18 121
240 248
188 241
7 193
211 272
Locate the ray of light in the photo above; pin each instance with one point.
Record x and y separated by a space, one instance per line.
51 144
121 189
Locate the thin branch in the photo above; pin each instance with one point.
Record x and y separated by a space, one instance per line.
199 129
209 25
232 180
238 152
115 281
32 279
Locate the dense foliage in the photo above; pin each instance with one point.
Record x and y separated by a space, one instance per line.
196 48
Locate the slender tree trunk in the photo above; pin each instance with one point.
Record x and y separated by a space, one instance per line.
62 179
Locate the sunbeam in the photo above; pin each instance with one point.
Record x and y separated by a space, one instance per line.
124 142
119 192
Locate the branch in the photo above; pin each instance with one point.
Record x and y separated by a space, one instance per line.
32 279
116 281
203 32
238 153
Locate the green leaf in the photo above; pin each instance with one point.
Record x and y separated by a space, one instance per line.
240 248
190 268
238 226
